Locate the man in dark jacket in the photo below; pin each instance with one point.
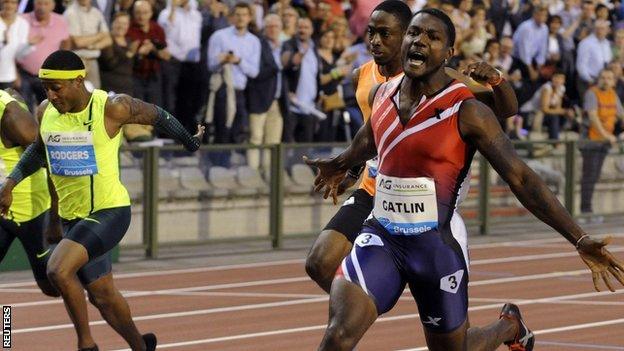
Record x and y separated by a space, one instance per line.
267 95
301 73
302 77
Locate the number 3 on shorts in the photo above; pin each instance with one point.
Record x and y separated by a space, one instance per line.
450 283
367 239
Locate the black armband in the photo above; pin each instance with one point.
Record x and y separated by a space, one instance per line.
356 171
30 162
169 125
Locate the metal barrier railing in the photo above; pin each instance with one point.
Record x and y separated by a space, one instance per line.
278 153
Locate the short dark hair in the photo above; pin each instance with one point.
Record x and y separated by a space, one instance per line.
398 9
553 18
242 5
63 60
450 27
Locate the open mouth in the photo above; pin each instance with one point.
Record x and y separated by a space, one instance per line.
416 58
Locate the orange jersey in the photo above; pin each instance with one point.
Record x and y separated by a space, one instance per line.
369 77
607 112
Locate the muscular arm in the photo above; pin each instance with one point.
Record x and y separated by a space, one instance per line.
362 149
480 128
501 98
505 102
32 159
18 127
123 109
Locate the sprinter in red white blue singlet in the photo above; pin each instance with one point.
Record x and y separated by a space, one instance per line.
425 129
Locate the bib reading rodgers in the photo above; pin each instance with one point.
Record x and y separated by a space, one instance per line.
71 154
406 206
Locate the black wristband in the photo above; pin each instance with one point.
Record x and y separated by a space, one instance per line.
169 125
356 171
31 160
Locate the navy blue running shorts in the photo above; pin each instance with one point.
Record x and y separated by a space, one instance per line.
433 264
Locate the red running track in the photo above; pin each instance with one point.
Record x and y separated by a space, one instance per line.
274 306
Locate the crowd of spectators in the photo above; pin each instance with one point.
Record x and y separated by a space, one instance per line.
267 71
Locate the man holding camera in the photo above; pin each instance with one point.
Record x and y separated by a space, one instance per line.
233 59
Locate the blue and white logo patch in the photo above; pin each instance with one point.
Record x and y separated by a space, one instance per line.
71 154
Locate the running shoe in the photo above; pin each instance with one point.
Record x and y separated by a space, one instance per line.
524 339
150 341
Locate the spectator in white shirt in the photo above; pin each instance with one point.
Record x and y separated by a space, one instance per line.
593 55
182 23
89 34
531 41
14 36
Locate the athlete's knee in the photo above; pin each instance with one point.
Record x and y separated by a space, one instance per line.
102 297
325 257
321 266
338 337
59 275
47 288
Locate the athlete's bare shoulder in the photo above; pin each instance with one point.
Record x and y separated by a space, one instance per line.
15 94
373 93
125 109
41 109
120 107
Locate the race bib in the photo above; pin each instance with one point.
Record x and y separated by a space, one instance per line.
71 154
406 206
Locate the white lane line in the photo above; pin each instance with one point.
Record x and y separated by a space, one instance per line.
567 345
556 239
579 326
567 302
556 330
12 291
185 314
295 261
323 326
524 258
178 290
236 294
279 304
295 280
529 277
181 271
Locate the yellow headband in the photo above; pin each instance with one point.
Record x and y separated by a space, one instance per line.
61 74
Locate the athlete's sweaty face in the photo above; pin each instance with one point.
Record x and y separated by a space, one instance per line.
384 35
61 93
425 46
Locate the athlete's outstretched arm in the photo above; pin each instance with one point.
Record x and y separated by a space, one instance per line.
332 171
123 109
479 127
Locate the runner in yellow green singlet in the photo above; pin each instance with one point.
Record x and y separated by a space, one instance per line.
79 143
28 215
